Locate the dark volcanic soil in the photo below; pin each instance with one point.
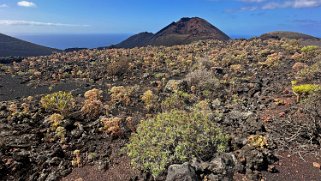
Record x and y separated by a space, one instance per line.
245 86
295 167
15 87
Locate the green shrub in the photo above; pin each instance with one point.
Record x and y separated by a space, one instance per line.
308 49
177 100
299 90
149 99
60 101
311 72
174 137
305 88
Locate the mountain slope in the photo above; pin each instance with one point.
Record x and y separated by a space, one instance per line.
185 31
303 39
10 46
288 35
137 40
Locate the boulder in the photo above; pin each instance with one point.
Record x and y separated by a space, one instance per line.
238 115
222 167
182 172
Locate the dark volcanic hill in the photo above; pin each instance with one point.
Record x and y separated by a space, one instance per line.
185 31
288 35
10 46
303 39
138 40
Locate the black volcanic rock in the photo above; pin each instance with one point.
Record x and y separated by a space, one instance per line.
14 47
185 31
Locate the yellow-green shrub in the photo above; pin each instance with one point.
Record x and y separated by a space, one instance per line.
55 120
60 101
299 90
120 94
257 141
308 49
177 100
305 88
149 99
174 137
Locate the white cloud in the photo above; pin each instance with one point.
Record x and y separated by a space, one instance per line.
306 3
293 4
26 4
36 23
252 1
280 4
3 6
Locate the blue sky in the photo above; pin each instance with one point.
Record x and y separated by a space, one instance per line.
235 17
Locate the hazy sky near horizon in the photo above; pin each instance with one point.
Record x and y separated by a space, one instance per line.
235 17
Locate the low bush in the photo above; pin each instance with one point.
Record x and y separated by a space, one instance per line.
120 95
308 49
149 99
60 101
203 79
118 68
112 125
177 100
174 137
299 90
93 106
305 88
55 120
258 141
311 73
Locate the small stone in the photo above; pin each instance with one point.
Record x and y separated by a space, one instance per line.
272 169
182 172
102 165
316 165
176 85
216 103
146 75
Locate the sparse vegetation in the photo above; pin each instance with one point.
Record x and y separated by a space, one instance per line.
309 49
149 99
258 141
112 125
178 100
174 137
170 98
121 95
299 90
60 101
93 106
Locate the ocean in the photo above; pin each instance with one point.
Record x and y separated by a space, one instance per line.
63 41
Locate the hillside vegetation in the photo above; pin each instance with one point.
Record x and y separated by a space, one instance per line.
207 110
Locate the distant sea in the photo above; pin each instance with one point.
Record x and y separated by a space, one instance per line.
63 41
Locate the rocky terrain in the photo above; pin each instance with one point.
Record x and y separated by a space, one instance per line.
184 31
14 47
220 110
304 39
